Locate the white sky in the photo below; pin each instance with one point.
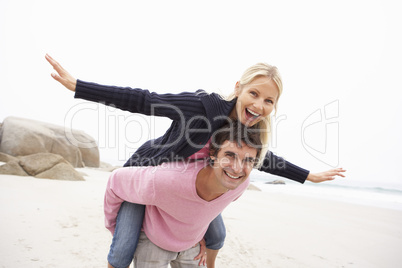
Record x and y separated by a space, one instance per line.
345 55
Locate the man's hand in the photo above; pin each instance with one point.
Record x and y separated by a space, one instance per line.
202 256
62 76
326 175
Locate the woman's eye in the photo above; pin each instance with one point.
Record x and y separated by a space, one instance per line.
253 93
269 101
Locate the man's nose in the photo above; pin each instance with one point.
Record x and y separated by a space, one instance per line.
237 166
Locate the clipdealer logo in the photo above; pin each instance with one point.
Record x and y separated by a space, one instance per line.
319 131
320 134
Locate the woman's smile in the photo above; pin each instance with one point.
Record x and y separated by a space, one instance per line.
251 115
256 100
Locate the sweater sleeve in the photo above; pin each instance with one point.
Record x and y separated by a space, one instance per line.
136 100
278 166
135 185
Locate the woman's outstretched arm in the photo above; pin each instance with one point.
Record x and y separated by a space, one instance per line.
276 165
135 100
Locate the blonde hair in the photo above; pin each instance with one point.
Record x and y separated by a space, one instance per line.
264 126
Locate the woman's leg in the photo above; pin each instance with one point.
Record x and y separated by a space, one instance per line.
214 239
125 239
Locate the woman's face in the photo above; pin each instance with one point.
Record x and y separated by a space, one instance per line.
255 100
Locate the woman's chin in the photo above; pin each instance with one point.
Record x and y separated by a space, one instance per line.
249 122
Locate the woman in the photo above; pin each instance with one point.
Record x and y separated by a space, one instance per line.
200 115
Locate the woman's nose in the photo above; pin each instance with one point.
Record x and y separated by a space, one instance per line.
258 104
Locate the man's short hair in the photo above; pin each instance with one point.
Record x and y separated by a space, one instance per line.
235 131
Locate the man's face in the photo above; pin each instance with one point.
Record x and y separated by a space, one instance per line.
233 164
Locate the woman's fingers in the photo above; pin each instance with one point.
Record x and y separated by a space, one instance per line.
62 76
326 175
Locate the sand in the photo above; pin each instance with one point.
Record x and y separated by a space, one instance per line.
46 223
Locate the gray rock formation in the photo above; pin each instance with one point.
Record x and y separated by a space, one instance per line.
12 168
20 137
276 182
252 187
42 165
35 164
61 171
6 158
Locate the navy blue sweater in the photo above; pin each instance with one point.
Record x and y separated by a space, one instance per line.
199 113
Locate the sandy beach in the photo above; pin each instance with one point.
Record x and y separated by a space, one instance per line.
48 223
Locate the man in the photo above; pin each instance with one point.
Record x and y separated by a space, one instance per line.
182 198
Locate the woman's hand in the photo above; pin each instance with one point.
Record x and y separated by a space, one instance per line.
326 175
62 76
202 256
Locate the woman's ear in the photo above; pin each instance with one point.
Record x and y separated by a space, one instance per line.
237 89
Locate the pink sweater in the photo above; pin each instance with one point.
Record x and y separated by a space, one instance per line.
176 218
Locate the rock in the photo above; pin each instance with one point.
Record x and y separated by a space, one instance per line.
107 167
37 163
6 158
20 137
90 157
253 187
110 169
83 174
12 168
61 171
42 165
276 182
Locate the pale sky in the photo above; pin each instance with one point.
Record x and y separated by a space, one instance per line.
340 63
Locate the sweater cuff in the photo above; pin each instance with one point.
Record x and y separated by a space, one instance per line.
92 91
278 166
295 173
